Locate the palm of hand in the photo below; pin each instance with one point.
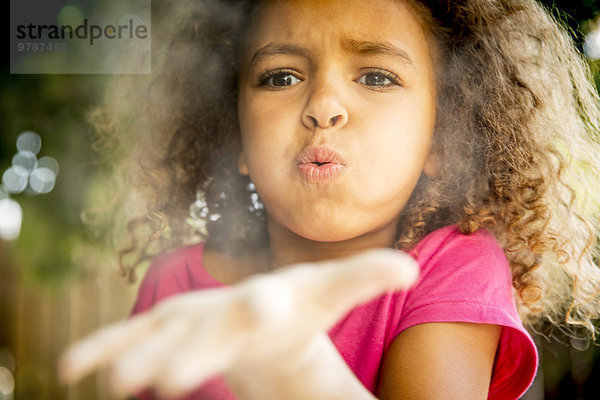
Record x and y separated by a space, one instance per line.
265 323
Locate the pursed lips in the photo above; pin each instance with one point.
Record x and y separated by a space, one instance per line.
319 164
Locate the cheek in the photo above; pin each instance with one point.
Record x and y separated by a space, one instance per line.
263 112
402 131
395 148
270 129
263 126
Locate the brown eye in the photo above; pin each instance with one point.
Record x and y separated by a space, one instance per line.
379 79
279 79
376 80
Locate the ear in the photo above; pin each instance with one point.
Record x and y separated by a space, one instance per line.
431 168
242 165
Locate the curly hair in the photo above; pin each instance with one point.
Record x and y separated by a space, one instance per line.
516 136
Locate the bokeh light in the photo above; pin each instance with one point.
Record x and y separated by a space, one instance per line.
50 163
25 159
29 141
11 216
42 180
591 46
7 382
15 179
7 369
27 172
69 15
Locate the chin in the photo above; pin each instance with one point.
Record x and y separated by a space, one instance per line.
327 233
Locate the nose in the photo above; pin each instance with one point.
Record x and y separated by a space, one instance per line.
324 109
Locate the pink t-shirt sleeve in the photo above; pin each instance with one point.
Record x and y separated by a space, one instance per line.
170 274
466 278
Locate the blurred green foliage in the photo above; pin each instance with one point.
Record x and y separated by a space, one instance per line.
56 107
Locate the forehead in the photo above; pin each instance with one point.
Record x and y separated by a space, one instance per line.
334 22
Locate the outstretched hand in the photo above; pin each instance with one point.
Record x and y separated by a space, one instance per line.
267 321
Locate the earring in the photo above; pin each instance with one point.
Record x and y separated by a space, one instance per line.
199 208
256 205
200 213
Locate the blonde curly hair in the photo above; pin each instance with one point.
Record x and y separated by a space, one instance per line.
517 136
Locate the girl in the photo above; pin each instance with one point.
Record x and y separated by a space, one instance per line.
465 133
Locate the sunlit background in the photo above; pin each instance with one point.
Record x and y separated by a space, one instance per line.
59 277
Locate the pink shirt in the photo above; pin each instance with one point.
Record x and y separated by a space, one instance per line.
464 278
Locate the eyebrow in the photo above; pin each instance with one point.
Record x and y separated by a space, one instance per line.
375 48
272 49
360 47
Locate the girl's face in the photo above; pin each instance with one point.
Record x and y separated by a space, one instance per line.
336 109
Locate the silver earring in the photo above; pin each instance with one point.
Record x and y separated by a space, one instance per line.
256 206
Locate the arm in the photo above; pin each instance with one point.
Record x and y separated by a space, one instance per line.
266 335
433 361
440 361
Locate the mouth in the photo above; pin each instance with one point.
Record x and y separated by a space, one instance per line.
319 164
319 156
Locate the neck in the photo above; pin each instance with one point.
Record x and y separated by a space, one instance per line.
287 248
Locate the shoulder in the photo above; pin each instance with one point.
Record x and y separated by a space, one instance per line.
475 264
448 243
464 277
177 268
178 271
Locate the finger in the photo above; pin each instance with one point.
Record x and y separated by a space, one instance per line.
334 287
209 350
140 366
176 317
370 273
101 347
190 301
